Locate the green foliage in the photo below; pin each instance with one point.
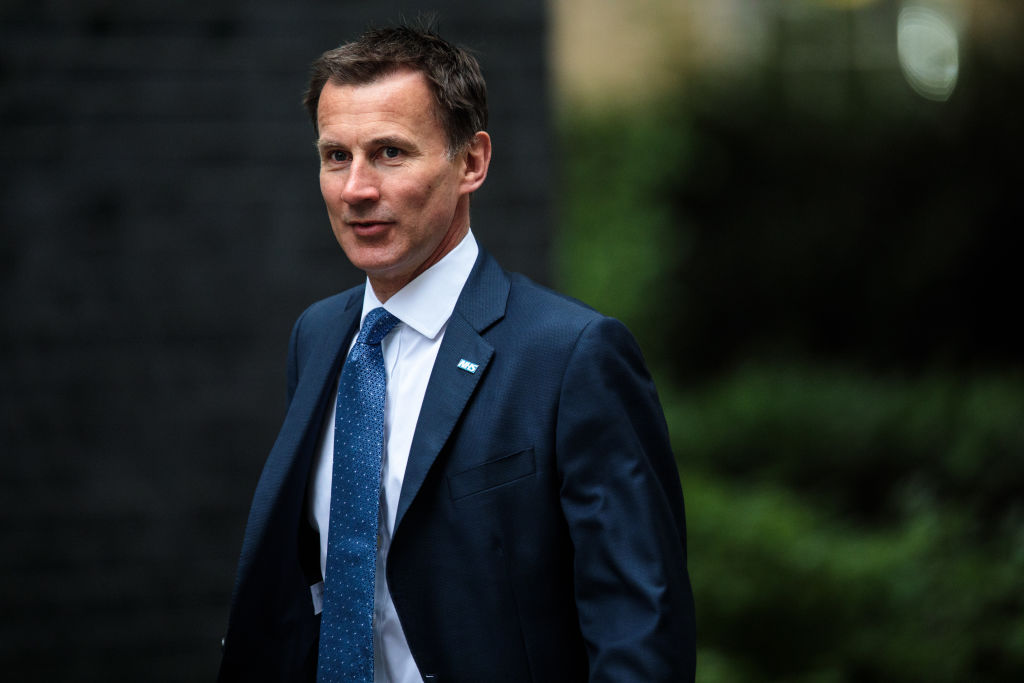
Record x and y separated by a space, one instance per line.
845 527
868 448
786 593
618 240
840 530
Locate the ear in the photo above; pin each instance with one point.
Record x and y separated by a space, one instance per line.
477 160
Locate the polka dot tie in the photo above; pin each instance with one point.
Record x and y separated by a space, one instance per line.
346 627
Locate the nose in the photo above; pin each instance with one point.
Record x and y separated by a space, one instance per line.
361 184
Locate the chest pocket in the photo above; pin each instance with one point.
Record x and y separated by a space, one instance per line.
492 474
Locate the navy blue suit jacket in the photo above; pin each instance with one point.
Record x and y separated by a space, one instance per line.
540 532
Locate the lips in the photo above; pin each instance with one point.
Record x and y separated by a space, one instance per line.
368 228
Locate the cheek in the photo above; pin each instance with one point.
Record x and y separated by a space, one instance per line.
413 195
437 194
327 188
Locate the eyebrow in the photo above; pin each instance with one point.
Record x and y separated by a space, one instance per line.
384 141
325 143
390 140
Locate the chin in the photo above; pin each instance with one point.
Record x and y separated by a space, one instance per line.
369 258
376 264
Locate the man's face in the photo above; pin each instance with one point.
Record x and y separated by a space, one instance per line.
396 202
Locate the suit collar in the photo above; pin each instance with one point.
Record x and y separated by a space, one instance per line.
327 359
314 390
485 295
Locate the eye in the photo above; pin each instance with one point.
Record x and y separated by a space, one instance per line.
337 156
391 152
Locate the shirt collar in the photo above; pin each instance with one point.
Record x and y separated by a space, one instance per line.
426 303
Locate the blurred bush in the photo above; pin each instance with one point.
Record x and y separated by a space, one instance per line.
872 450
826 295
852 528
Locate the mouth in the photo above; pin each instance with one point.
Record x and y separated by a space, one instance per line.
368 228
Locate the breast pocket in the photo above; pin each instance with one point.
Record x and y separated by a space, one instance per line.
492 474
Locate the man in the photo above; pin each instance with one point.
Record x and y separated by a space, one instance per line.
484 489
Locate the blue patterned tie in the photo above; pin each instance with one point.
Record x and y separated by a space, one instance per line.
346 627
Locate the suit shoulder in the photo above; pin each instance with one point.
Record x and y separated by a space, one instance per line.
543 306
540 318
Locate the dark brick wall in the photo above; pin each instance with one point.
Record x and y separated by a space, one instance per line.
161 228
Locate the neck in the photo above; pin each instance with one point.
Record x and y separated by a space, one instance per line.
385 288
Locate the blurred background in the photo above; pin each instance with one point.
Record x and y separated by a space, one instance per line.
808 212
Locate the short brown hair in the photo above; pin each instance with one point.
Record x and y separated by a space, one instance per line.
452 73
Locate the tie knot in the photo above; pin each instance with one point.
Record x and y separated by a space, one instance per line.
376 326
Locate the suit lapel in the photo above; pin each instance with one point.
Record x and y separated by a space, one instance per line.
325 361
461 364
322 365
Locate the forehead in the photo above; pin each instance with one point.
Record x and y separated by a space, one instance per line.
402 98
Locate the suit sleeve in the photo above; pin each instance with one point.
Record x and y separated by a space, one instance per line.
622 500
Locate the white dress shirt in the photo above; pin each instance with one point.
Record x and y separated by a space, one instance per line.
424 307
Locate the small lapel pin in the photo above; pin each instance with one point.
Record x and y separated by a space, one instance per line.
467 366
